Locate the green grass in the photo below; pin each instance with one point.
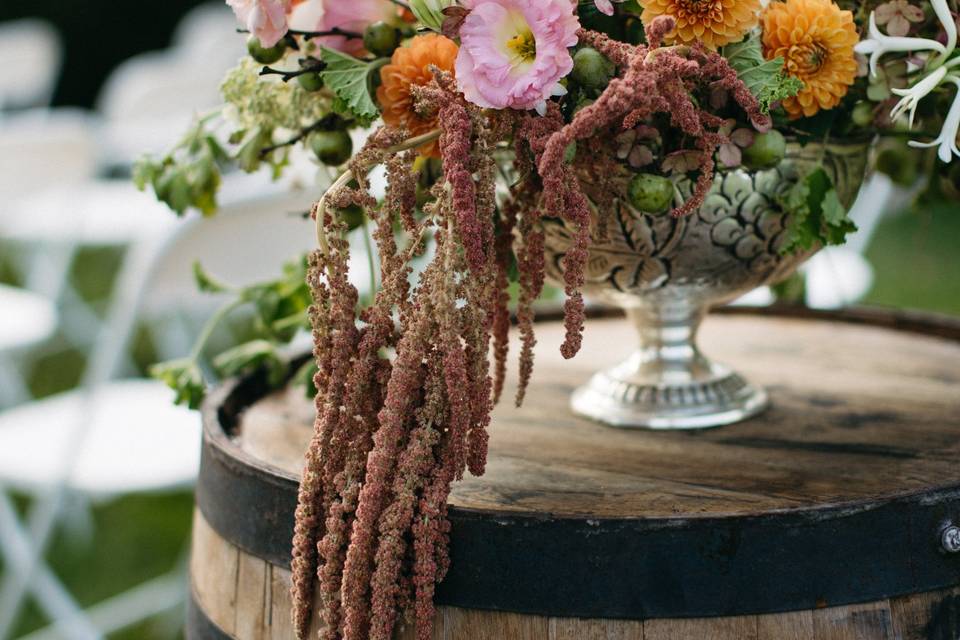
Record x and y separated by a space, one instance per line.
916 261
140 537
135 538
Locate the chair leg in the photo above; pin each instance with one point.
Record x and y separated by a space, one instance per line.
13 388
126 609
26 572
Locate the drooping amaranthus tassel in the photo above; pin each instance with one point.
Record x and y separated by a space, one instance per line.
405 385
335 339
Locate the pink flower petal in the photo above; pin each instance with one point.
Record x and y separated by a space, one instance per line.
898 26
490 75
729 155
265 19
742 137
605 6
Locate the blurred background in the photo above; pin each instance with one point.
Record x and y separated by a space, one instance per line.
96 284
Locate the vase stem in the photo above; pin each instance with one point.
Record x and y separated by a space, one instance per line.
667 383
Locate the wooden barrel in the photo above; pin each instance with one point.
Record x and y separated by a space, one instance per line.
827 518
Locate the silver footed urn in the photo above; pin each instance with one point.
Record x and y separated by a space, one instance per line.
667 272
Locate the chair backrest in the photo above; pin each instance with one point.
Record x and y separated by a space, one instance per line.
45 147
31 54
248 240
150 99
208 32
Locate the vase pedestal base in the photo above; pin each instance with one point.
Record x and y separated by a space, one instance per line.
721 399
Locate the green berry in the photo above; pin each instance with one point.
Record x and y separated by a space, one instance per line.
591 70
862 115
310 81
650 193
265 55
353 216
331 147
381 38
766 152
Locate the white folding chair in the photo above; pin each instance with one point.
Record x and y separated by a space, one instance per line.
208 32
51 226
31 54
150 99
120 436
26 320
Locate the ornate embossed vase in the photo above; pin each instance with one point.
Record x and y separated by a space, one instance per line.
667 272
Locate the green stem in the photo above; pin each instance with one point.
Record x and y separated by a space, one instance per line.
369 248
296 320
211 326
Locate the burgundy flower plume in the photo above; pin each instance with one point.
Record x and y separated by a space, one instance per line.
407 384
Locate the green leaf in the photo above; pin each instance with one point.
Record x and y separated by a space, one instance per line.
348 78
304 376
836 222
248 157
205 282
819 218
145 171
245 357
765 79
184 377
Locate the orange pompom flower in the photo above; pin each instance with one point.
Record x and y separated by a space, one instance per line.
816 40
712 22
410 66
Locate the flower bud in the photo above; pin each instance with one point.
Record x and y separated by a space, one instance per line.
430 12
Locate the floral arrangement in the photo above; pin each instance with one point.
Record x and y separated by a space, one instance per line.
495 114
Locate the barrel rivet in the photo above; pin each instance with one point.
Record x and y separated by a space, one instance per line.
950 539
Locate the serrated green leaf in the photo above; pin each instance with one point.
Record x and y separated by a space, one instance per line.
145 171
248 157
348 78
184 377
765 79
818 216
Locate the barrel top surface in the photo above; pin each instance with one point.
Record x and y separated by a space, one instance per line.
860 414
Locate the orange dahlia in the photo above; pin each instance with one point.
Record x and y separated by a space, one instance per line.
712 22
410 66
816 39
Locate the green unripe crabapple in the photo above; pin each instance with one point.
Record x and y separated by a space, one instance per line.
331 147
766 152
650 193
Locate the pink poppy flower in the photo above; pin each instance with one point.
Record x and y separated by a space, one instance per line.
514 52
266 19
350 15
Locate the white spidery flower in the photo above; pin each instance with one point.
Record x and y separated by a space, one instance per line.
947 140
936 72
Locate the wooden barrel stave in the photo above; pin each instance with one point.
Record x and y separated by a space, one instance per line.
246 596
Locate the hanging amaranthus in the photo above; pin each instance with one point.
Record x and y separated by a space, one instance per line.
406 385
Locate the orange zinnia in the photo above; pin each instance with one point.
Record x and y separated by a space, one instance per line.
816 39
712 22
410 66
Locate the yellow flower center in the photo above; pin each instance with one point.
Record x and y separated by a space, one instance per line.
700 10
523 46
805 60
